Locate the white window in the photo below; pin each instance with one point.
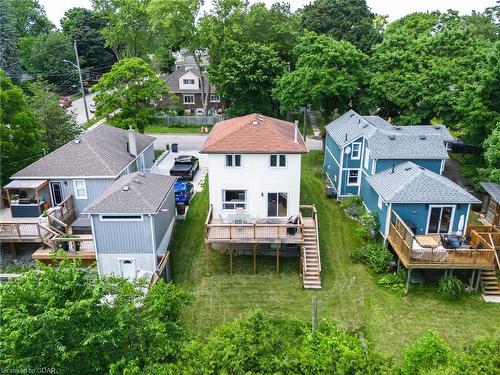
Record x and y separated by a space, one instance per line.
277 161
352 177
214 98
233 199
379 203
188 99
367 158
188 81
80 189
233 160
111 217
356 151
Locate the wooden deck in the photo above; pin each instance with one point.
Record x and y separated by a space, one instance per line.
426 251
251 233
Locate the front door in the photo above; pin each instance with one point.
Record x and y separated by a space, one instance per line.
127 268
56 192
277 204
440 219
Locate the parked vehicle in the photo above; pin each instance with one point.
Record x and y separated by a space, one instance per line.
92 107
185 167
65 102
184 191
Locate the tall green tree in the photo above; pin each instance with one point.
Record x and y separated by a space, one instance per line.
42 57
246 77
84 26
67 319
349 20
127 32
9 52
128 92
329 74
58 125
20 131
29 18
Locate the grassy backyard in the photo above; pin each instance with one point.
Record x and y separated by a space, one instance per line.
350 296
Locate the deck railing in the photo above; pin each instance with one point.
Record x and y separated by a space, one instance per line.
401 238
63 215
18 231
80 243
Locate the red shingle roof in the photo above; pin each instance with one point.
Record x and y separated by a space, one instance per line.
254 134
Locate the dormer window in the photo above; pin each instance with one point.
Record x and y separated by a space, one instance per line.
188 81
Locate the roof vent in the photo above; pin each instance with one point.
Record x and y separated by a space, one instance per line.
422 137
255 122
408 169
137 181
76 141
392 137
142 174
125 188
397 127
436 127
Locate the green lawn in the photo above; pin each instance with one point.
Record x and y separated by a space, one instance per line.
350 296
165 129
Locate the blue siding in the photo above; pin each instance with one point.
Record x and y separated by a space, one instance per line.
418 214
430 164
348 190
370 161
370 199
349 162
163 219
331 162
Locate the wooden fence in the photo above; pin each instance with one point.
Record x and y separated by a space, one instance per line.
190 120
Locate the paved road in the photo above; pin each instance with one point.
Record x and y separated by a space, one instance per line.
194 142
78 109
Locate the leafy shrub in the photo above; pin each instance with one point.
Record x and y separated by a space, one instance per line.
350 201
369 225
374 255
393 281
451 288
427 353
319 172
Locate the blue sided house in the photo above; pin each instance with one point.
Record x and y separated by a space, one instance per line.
396 171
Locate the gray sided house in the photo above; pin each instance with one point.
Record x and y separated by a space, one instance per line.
83 168
132 223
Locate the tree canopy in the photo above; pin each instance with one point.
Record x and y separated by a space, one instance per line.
127 93
9 51
328 75
20 132
29 18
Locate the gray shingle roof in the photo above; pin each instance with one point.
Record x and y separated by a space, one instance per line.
406 145
145 194
410 183
492 189
99 152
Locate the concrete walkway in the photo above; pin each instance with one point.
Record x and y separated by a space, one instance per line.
314 124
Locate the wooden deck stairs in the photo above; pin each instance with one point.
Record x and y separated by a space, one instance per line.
489 283
311 271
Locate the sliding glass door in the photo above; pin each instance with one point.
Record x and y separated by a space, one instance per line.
440 219
277 204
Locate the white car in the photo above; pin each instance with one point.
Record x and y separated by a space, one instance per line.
92 107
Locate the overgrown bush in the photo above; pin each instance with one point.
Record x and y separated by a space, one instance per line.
393 281
374 255
451 288
352 207
369 225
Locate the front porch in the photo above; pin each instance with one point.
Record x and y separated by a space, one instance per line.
476 250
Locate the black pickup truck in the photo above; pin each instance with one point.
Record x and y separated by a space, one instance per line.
185 167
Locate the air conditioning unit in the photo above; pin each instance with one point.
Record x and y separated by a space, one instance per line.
330 191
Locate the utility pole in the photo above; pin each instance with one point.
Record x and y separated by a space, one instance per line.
81 83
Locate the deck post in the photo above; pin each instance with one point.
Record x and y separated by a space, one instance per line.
254 257
471 280
445 272
478 279
231 258
407 281
399 262
278 259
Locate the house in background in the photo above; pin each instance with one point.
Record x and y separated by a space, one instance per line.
491 203
396 171
132 223
185 82
254 166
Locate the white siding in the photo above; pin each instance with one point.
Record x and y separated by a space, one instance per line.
108 263
189 75
257 178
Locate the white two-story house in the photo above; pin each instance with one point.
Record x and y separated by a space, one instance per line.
254 167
